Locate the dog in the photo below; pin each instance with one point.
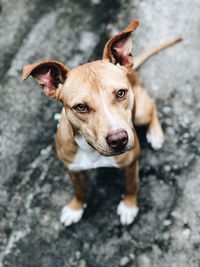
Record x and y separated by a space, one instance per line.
102 101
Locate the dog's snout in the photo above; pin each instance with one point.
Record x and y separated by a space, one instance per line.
117 139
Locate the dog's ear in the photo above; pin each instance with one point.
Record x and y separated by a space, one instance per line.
49 74
118 48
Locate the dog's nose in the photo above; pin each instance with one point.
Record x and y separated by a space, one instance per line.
117 139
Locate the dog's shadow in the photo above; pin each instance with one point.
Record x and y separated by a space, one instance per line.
106 185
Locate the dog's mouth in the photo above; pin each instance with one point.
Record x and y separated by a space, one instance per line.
108 151
112 152
114 144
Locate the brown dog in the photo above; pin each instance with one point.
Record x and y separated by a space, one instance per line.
102 100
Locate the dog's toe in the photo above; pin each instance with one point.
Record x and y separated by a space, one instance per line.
156 140
127 214
70 216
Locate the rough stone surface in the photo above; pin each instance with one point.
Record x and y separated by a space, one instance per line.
33 184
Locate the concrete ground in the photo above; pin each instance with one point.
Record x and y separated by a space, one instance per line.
34 185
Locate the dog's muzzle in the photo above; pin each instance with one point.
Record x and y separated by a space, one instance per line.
117 140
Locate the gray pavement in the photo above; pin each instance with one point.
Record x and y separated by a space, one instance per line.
34 185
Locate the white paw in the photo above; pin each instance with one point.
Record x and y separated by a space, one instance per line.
127 215
156 140
70 216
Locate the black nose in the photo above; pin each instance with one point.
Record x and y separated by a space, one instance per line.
117 140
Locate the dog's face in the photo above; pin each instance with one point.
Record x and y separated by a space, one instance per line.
99 100
97 96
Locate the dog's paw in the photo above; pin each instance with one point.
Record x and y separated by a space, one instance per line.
70 216
127 214
155 139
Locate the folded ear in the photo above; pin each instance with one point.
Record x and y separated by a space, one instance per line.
118 48
49 74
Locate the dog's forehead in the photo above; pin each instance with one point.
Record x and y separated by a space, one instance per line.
96 74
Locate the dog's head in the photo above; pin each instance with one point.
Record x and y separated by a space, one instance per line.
97 96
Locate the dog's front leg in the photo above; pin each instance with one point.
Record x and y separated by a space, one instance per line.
72 213
127 208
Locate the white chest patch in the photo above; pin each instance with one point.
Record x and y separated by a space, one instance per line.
88 158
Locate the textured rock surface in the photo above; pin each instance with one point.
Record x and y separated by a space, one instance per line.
33 184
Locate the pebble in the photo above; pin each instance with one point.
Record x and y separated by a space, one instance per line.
144 261
96 2
156 250
175 167
131 256
124 261
45 151
78 255
71 261
184 121
167 168
82 263
57 116
166 236
126 237
186 135
167 109
185 220
168 122
185 164
170 131
186 233
86 246
167 222
161 182
176 215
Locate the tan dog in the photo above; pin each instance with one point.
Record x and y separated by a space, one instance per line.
102 102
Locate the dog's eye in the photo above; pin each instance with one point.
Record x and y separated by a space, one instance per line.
81 108
121 93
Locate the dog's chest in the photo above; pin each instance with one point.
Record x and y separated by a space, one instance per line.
87 158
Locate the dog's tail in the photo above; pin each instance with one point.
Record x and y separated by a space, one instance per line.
141 58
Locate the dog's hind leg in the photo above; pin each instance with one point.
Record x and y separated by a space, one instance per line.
146 114
155 135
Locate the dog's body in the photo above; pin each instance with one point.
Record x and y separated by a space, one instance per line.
102 102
